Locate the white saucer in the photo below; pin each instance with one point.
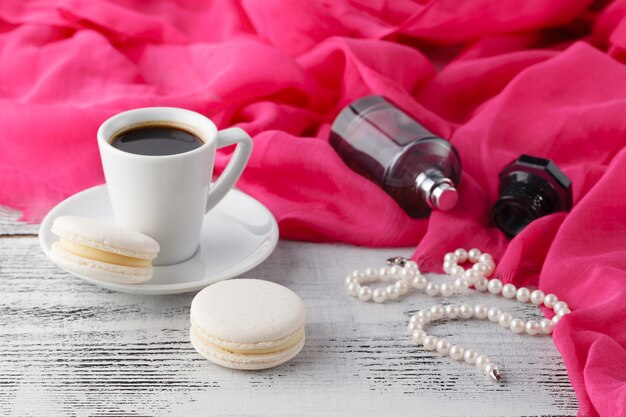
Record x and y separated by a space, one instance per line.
237 235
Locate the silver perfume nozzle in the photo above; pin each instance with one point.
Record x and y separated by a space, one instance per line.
444 196
438 192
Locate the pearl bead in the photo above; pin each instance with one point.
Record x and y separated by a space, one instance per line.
450 257
456 352
546 326
481 285
379 295
482 361
484 258
532 327
517 325
406 276
505 319
446 289
413 325
509 291
493 314
472 276
419 282
460 284
556 319
371 273
560 306
489 368
457 271
430 342
418 336
443 346
470 356
412 265
432 289
536 297
473 255
353 289
550 300
394 271
495 286
480 311
401 287
384 272
349 280
490 267
522 295
423 315
420 323
392 292
480 268
461 255
447 266
437 311
358 274
452 311
365 293
563 312
466 311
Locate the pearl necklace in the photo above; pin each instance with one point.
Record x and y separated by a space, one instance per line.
407 277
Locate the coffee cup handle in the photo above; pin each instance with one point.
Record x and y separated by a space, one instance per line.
237 163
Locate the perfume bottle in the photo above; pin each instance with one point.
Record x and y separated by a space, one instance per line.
418 169
530 188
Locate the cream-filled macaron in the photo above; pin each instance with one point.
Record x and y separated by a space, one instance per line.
247 323
102 250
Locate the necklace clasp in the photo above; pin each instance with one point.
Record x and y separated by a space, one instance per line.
397 260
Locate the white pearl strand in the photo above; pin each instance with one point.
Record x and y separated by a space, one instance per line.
408 277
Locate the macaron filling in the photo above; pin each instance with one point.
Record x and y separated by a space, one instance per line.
257 348
94 254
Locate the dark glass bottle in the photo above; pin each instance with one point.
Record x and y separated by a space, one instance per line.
381 142
530 188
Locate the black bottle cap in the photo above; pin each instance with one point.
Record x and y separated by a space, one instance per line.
530 188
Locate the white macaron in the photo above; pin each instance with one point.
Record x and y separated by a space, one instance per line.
247 323
103 251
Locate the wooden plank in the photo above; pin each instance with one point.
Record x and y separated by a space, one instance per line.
70 348
10 224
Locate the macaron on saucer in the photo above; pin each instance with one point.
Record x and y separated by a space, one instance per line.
247 324
237 235
103 251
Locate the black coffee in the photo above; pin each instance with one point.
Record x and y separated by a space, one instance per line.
156 139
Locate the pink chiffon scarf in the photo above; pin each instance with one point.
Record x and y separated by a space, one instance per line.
498 78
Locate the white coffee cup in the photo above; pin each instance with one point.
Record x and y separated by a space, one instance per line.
166 197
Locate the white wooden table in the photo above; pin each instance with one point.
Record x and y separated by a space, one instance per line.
68 348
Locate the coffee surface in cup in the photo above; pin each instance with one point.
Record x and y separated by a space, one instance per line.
156 139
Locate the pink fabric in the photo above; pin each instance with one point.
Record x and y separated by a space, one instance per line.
500 78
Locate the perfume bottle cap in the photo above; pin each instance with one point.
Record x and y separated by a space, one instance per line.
530 188
437 191
444 196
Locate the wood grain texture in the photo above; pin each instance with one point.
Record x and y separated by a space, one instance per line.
10 224
68 348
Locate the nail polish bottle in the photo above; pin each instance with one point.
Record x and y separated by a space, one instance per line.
383 143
